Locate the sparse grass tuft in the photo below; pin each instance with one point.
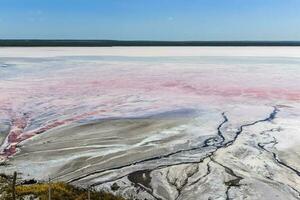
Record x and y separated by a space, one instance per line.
59 191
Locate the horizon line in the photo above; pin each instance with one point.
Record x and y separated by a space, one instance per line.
111 42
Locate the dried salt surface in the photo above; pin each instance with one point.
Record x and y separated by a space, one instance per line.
155 122
149 51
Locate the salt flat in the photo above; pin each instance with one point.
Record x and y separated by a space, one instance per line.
149 51
155 122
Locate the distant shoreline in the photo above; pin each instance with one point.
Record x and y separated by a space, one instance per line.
116 43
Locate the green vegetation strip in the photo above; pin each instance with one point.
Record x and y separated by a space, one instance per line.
59 191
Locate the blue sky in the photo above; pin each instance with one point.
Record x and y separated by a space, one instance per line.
151 19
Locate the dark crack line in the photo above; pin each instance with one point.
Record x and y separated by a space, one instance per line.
189 184
268 119
295 190
149 191
208 170
121 167
275 156
220 126
225 120
186 182
291 187
220 134
225 145
229 143
172 183
153 169
236 181
131 164
157 157
271 117
232 183
217 145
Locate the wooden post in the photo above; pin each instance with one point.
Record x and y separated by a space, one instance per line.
49 190
89 193
14 186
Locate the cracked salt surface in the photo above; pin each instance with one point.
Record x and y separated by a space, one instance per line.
193 123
